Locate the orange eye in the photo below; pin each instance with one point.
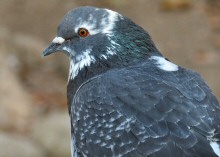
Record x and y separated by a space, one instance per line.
83 32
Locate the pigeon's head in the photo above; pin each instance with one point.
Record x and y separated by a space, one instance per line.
90 35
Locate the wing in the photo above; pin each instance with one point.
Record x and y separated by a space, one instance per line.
143 111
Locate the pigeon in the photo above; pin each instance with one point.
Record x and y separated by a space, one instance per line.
125 99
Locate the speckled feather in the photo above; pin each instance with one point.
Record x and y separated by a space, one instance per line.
142 111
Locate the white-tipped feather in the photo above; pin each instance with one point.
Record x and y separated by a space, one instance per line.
215 148
73 148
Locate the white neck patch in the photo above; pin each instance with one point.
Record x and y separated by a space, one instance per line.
163 64
82 60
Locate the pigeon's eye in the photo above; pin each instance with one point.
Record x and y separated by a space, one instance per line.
83 32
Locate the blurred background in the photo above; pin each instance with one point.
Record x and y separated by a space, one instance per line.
33 112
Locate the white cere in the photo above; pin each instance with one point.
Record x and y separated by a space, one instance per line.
58 40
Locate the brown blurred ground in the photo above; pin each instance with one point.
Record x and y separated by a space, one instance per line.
33 112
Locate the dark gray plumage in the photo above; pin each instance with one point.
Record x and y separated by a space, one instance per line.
126 99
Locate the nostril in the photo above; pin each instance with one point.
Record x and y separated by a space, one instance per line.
68 39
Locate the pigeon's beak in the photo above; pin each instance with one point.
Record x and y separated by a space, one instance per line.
50 49
58 44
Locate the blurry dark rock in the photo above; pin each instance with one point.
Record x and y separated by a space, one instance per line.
213 10
15 103
205 58
171 5
34 73
53 133
216 41
15 145
34 17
